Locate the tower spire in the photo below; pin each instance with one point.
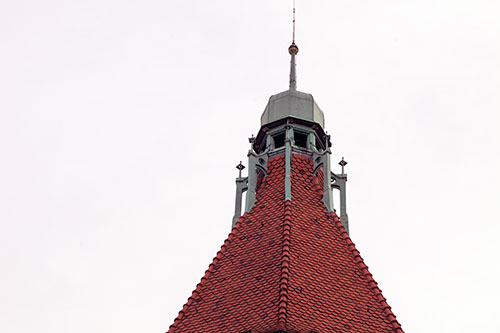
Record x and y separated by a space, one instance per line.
293 50
293 22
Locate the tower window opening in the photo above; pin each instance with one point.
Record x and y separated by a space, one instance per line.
279 140
300 139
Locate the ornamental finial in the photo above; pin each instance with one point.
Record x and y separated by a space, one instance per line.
240 167
342 164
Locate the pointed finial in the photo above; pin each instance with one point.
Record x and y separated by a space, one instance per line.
293 50
342 164
240 167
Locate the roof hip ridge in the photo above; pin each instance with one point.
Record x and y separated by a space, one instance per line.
366 273
208 272
285 263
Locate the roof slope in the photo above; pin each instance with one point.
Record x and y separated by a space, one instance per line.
287 266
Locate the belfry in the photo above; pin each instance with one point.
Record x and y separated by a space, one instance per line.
288 264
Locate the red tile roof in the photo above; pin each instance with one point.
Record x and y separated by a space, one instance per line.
287 266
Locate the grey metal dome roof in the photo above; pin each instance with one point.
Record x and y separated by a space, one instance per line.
292 103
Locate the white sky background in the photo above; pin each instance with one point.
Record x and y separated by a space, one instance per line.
121 124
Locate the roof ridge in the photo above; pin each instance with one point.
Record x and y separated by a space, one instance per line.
366 273
361 264
208 272
285 263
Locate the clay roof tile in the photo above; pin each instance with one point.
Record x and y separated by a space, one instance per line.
301 274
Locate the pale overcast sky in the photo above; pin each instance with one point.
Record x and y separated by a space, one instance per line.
121 123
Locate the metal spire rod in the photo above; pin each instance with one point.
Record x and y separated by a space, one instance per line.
293 35
293 50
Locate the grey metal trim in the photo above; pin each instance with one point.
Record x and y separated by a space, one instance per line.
288 163
322 159
256 162
311 140
339 183
327 190
241 186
